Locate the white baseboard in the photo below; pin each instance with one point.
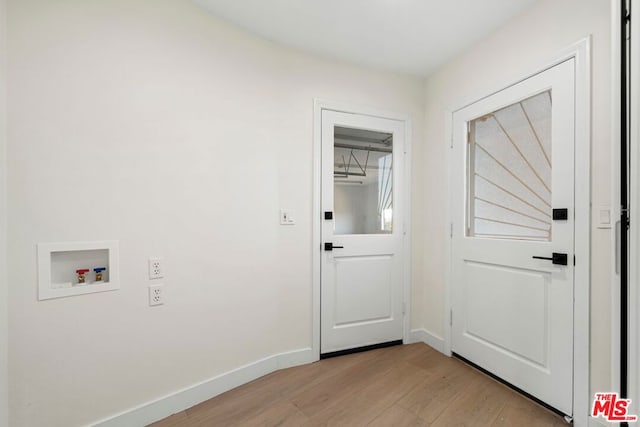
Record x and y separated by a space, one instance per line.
430 339
190 396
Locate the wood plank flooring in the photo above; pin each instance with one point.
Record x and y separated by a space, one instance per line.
409 385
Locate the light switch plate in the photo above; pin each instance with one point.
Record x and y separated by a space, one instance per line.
287 217
603 217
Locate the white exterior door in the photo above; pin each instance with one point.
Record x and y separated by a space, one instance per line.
513 206
362 207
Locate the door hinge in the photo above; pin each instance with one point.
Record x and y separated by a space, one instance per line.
404 308
451 230
574 260
451 317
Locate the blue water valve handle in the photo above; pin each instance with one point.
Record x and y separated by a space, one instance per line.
98 271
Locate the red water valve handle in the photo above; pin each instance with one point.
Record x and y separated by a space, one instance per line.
82 271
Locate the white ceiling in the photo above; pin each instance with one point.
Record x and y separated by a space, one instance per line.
410 36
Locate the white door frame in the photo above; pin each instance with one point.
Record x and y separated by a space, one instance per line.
581 52
633 365
616 59
318 106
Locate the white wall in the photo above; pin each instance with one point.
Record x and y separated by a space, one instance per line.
522 46
4 317
160 126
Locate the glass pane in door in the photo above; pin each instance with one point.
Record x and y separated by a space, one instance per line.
509 171
362 181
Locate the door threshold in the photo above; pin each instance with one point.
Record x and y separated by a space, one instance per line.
360 349
545 405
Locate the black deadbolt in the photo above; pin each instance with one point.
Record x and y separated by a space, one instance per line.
561 214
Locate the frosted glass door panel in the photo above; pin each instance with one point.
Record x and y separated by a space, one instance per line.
363 181
509 182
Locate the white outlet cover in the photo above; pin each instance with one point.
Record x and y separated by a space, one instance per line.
156 270
156 295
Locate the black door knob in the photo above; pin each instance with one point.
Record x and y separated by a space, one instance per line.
329 246
556 258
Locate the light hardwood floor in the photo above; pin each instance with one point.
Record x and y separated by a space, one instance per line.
410 385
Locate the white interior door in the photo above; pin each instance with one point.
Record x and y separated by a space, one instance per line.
512 173
361 266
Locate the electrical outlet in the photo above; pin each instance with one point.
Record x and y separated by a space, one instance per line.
155 268
156 295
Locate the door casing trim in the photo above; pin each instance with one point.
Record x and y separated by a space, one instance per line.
581 53
318 106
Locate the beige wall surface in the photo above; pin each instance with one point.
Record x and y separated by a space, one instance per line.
158 125
521 47
4 316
